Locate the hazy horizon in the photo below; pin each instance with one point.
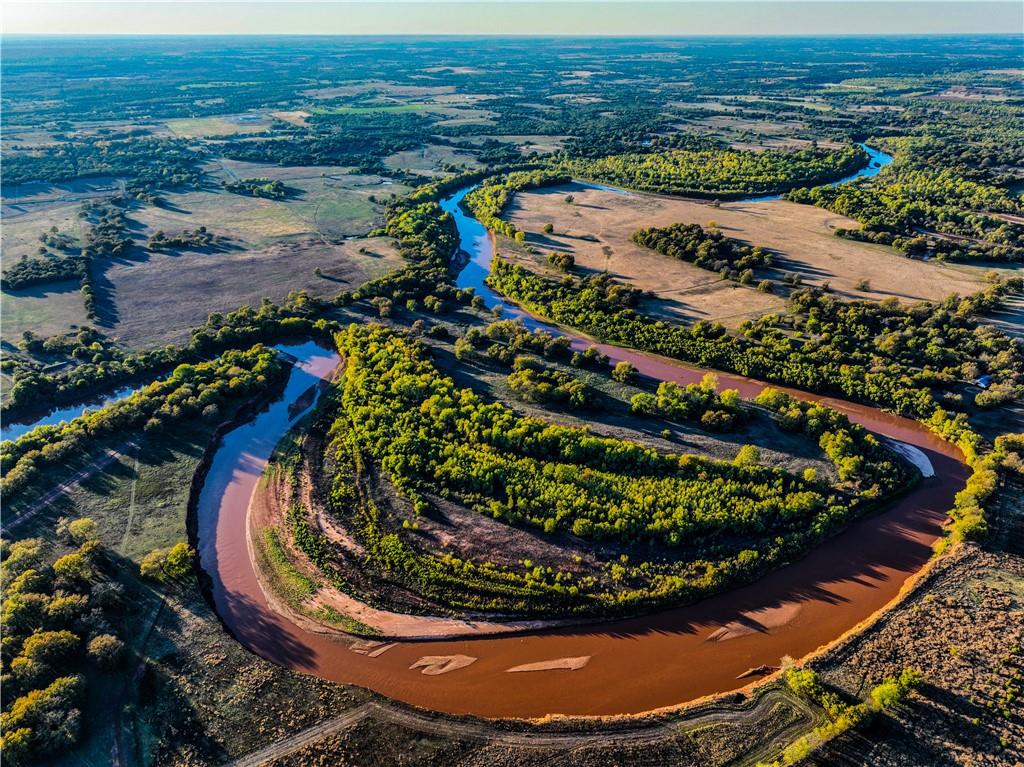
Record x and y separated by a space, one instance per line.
482 18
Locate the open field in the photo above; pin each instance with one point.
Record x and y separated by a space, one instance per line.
226 125
41 203
801 237
157 300
44 309
336 205
21 232
429 159
528 143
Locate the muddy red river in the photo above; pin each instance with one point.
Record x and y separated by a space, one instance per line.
622 667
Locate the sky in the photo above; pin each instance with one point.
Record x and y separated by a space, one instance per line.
537 17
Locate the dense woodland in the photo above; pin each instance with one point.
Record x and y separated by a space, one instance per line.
924 207
430 437
57 615
718 173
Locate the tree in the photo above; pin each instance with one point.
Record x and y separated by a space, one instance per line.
624 372
106 651
548 228
49 647
748 455
167 564
82 530
73 567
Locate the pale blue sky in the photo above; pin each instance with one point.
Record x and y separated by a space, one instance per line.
476 17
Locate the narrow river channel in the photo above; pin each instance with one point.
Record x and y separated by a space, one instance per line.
635 665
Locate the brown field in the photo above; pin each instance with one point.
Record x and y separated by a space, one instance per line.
157 300
800 235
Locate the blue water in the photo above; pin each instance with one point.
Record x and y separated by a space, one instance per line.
877 160
68 413
11 431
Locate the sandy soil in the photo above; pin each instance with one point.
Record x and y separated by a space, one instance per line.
800 235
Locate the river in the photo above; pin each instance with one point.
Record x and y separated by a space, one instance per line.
631 666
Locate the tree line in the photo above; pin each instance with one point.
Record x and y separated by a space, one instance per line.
191 391
915 348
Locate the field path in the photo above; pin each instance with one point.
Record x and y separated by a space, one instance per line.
131 503
483 732
90 470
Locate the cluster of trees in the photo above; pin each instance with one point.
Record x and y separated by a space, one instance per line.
858 456
57 613
191 239
191 391
107 238
708 249
563 262
718 411
148 163
507 339
880 353
106 366
534 381
487 201
842 714
719 173
725 522
926 209
258 187
39 270
432 437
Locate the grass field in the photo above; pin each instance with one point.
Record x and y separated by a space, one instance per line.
45 310
429 159
323 201
226 125
800 235
158 300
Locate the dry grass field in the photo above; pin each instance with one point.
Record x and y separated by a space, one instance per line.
428 160
157 300
597 226
226 125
